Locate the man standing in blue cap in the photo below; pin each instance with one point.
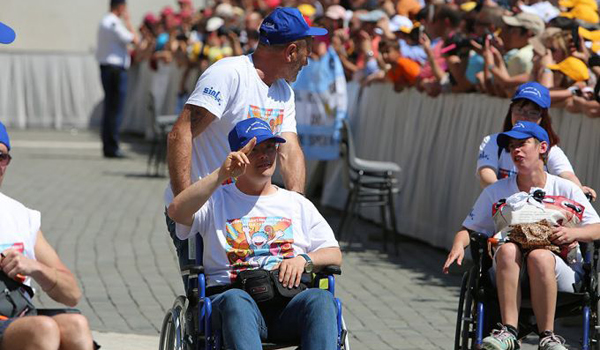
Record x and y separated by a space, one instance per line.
114 35
547 272
237 88
253 226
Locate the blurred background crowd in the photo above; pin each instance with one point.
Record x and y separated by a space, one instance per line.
437 47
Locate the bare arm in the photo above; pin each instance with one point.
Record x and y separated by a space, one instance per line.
190 200
290 270
192 121
47 270
487 176
325 257
291 160
461 241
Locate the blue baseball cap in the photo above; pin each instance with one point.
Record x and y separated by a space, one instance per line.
7 34
523 130
534 92
284 25
245 130
4 136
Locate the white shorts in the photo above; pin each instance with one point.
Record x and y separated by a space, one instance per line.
565 275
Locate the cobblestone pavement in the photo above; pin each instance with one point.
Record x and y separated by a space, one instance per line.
105 219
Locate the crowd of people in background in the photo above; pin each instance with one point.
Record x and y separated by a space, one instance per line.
437 47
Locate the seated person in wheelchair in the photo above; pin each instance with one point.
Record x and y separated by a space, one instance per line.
252 224
24 255
547 272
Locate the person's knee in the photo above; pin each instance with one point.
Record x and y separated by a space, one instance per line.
508 253
235 301
72 324
32 332
540 261
319 301
74 330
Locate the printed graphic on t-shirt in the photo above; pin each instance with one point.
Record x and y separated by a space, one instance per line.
504 173
19 246
273 116
254 242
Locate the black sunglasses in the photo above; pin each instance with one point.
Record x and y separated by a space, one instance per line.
4 159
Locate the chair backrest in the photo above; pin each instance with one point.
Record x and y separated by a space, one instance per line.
348 141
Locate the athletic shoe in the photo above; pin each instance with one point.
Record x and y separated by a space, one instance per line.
551 341
501 339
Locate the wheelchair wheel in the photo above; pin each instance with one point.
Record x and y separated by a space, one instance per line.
465 321
459 313
172 334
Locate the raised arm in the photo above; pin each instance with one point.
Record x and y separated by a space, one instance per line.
192 121
190 200
291 161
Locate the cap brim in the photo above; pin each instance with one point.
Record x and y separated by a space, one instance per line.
511 21
504 138
554 66
262 138
7 34
316 31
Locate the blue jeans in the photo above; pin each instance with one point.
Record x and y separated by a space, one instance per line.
114 82
309 317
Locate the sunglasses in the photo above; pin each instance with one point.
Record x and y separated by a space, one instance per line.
4 159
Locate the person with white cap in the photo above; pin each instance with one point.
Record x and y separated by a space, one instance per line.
515 67
237 88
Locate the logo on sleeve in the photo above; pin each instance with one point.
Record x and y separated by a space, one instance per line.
214 94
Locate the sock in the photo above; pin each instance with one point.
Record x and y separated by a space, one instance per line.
513 330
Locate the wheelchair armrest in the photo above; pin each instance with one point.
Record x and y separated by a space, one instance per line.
57 311
478 238
330 270
192 270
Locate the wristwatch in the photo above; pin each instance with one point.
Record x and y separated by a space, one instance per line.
308 267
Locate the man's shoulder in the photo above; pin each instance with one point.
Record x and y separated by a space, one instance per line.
8 203
233 62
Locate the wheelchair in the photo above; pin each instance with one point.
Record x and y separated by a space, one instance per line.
479 311
187 325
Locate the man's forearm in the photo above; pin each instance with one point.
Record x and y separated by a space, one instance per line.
293 168
179 153
192 121
326 256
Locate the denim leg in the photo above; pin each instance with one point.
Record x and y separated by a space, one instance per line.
310 316
240 320
181 246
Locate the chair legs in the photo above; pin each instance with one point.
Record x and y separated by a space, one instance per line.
393 219
385 202
340 229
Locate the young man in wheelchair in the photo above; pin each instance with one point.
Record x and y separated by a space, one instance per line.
252 224
547 272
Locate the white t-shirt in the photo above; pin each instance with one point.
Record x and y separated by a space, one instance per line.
113 38
18 227
232 90
240 231
480 218
504 166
